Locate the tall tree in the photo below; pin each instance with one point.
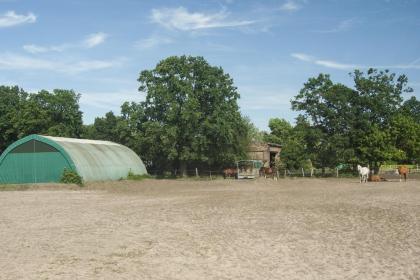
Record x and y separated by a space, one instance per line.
354 125
379 101
327 106
191 114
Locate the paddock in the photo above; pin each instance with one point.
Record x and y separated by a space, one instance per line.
298 228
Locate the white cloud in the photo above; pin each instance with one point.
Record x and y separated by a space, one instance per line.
290 6
10 18
153 41
337 65
181 19
91 41
19 62
95 39
302 56
345 66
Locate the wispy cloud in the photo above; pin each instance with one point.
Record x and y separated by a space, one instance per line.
290 6
341 26
153 41
110 100
181 19
19 62
344 66
10 18
95 39
91 41
31 48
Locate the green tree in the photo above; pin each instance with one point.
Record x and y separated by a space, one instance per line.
105 128
354 125
379 99
12 100
191 114
411 108
328 108
54 113
292 139
124 128
405 132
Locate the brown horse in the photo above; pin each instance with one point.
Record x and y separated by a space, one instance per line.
230 172
268 172
376 178
403 171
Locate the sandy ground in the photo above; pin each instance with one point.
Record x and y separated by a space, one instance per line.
223 229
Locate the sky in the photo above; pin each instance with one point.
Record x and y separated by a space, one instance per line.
270 48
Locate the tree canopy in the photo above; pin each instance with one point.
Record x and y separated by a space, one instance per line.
191 114
52 113
363 124
191 118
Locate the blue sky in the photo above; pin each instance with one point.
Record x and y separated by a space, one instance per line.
270 48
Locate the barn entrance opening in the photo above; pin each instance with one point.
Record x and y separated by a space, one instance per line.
273 159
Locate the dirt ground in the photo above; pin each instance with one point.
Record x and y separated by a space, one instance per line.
223 229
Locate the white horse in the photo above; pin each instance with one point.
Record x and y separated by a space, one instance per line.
363 173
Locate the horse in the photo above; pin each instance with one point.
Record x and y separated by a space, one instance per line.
363 173
402 171
230 172
376 178
268 172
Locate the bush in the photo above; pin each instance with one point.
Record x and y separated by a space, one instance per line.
71 177
136 177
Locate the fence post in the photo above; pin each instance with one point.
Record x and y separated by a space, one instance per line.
303 172
312 172
277 174
285 173
336 171
196 172
210 175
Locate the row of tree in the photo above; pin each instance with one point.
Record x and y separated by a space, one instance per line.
191 118
368 124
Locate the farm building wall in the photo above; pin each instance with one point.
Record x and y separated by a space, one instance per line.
36 159
268 152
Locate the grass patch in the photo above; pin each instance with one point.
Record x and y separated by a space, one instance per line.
136 177
14 187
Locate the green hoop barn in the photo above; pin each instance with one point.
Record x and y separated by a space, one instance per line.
42 159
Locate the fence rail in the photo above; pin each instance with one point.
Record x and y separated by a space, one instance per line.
202 173
218 173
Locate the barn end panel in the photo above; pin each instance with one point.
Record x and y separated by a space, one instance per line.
33 160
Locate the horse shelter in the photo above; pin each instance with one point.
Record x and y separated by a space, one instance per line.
266 152
42 159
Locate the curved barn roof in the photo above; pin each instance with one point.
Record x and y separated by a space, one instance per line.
92 159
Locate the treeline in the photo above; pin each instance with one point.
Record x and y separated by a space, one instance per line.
191 118
367 124
54 113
